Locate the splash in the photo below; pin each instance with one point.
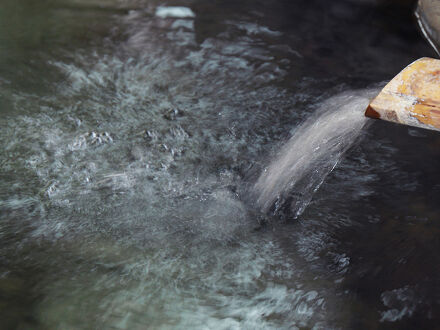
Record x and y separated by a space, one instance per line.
313 152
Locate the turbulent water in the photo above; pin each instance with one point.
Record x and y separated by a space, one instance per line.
313 152
133 134
127 173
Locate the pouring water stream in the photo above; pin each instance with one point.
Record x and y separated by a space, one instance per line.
313 151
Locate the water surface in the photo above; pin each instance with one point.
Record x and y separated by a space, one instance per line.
130 144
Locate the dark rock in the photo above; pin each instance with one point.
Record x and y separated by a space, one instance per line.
428 17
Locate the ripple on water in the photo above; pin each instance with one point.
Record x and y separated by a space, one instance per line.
129 178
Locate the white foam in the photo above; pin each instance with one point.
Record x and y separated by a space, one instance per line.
174 12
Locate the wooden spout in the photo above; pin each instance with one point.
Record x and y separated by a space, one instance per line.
412 97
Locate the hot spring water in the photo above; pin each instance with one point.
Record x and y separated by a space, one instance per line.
312 152
129 132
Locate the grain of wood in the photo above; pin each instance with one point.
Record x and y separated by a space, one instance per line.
412 97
